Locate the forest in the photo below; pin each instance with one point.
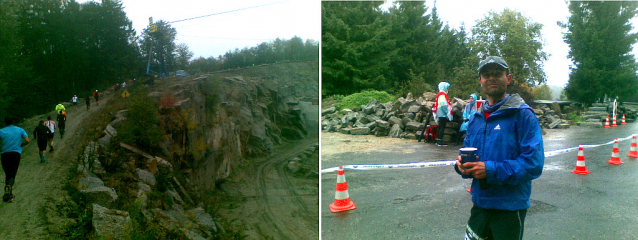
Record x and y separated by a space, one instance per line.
51 50
408 48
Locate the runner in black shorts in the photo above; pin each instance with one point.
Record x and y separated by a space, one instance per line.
11 152
41 133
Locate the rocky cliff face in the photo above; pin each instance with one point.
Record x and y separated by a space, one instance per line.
230 116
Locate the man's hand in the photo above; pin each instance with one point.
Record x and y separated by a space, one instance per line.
477 169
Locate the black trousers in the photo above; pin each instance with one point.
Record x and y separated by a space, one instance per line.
10 163
495 224
441 129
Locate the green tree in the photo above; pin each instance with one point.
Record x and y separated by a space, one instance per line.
183 56
161 47
518 40
355 47
542 92
600 40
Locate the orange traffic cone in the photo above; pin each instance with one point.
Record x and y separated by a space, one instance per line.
614 123
580 163
623 120
607 122
615 159
342 199
633 152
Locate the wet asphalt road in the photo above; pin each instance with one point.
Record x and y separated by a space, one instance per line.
432 203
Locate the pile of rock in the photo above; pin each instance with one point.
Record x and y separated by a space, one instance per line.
595 115
551 116
405 118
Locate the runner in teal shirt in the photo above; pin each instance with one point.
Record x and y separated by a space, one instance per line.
11 137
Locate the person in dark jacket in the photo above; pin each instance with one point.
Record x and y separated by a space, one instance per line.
40 133
88 102
61 122
510 155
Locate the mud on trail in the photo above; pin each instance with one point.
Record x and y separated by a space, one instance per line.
36 183
265 201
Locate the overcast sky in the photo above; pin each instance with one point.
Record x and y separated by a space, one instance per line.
217 34
546 12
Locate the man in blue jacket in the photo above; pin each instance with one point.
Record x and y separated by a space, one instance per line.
510 155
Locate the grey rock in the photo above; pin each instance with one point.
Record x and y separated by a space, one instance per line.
414 126
110 224
395 131
395 121
329 110
382 124
175 196
101 195
360 131
146 177
144 187
202 218
414 109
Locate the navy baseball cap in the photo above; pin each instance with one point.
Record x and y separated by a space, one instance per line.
492 60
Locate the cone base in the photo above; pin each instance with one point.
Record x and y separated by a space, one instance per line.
334 208
615 161
614 125
633 154
607 126
581 172
623 123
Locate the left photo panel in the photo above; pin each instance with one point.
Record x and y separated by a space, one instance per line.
160 119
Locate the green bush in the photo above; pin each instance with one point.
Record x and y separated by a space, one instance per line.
575 117
141 127
363 98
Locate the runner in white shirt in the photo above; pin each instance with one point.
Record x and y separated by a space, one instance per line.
74 100
51 125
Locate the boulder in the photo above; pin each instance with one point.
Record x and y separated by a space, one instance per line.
395 131
329 110
360 131
108 223
95 192
146 177
201 217
413 126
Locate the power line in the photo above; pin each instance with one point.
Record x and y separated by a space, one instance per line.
226 12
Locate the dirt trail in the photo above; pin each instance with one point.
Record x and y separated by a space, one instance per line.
36 181
269 202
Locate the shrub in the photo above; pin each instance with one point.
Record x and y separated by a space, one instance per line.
362 98
575 117
141 127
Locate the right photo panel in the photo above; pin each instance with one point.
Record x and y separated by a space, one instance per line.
479 119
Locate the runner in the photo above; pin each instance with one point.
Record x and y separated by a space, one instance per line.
11 152
61 122
59 108
88 102
51 125
96 95
74 100
41 134
124 85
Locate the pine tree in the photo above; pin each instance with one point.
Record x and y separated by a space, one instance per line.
600 40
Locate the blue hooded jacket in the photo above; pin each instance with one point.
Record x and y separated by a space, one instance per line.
511 145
